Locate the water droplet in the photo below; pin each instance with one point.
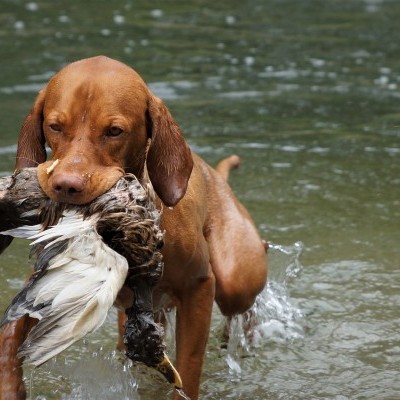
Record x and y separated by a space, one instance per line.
105 32
230 19
182 394
119 19
19 25
64 19
32 6
249 61
157 13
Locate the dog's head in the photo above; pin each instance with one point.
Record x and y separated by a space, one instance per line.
100 120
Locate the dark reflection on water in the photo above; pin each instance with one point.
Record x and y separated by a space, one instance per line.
307 93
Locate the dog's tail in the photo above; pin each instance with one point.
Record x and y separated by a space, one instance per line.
225 165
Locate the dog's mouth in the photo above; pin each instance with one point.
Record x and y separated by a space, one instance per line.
65 185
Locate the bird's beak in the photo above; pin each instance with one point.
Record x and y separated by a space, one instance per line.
166 368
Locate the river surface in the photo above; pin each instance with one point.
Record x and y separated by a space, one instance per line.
307 93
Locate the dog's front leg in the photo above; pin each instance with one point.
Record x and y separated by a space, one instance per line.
193 318
12 336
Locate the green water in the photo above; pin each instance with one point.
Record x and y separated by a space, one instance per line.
307 93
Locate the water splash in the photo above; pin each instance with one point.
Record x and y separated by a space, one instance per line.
182 394
102 374
273 317
98 374
117 381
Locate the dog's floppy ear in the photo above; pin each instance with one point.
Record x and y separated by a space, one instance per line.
31 142
169 159
31 146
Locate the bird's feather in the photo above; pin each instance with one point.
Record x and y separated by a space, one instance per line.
84 255
73 295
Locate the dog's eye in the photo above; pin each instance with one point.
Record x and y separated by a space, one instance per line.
55 127
114 131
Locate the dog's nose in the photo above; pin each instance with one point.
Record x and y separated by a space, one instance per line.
67 185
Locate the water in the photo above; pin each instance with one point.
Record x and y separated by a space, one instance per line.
89 370
182 394
307 94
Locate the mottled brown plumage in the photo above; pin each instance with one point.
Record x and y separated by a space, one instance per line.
127 220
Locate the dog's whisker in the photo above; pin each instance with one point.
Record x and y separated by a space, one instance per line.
31 160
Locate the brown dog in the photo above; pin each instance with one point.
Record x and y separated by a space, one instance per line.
100 119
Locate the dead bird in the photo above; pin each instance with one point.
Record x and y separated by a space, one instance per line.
84 255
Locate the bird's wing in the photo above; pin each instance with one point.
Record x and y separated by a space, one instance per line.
73 296
23 232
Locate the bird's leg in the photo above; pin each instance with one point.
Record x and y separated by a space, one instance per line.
144 338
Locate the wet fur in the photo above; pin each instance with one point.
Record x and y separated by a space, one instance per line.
212 250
